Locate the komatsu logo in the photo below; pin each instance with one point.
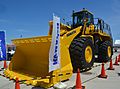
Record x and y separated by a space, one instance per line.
55 57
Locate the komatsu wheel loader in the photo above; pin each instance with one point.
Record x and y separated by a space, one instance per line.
82 43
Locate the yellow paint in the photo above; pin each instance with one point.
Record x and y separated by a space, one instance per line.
88 54
109 51
31 60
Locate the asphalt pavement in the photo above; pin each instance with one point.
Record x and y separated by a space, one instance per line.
89 79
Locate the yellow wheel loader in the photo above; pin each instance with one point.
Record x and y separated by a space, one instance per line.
82 43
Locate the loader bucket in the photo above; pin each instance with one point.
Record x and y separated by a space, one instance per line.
30 62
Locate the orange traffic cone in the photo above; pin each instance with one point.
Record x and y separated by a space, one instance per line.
78 81
5 65
111 66
17 85
103 73
116 61
119 58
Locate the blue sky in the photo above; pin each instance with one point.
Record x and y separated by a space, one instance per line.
30 17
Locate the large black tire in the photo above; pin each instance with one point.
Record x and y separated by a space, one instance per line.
77 54
104 56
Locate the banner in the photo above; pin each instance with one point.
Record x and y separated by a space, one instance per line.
54 53
2 46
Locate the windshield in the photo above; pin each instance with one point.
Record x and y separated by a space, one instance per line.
78 18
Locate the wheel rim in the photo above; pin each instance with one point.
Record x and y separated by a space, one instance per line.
88 54
109 51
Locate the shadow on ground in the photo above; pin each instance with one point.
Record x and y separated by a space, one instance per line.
37 88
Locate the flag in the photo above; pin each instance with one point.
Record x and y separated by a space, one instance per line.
54 53
2 46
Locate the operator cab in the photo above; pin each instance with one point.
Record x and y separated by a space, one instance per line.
79 17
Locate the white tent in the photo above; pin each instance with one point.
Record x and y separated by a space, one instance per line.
117 42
